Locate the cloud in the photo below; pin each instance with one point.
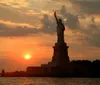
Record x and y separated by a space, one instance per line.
18 28
11 24
11 29
25 20
49 26
90 33
72 21
16 32
93 35
15 3
87 6
8 13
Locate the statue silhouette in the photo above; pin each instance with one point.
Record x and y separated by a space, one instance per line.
60 30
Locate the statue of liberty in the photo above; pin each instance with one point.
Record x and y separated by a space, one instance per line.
60 30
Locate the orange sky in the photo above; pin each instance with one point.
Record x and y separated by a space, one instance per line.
23 31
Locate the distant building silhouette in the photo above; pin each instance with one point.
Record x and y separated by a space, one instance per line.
3 73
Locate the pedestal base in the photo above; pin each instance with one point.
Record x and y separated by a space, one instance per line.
60 57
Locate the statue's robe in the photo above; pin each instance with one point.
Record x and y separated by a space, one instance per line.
60 32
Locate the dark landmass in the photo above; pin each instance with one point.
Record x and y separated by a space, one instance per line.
79 68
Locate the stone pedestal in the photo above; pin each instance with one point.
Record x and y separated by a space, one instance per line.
60 57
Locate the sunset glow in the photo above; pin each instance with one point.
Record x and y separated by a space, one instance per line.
27 57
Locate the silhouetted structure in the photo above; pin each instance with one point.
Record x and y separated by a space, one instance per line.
79 68
60 55
3 73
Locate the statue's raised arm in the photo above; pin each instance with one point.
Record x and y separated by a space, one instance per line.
56 17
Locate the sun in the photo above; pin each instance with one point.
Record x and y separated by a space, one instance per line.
27 57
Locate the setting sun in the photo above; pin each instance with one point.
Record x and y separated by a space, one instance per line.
27 57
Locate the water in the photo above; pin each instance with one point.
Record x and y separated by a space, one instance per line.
48 81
